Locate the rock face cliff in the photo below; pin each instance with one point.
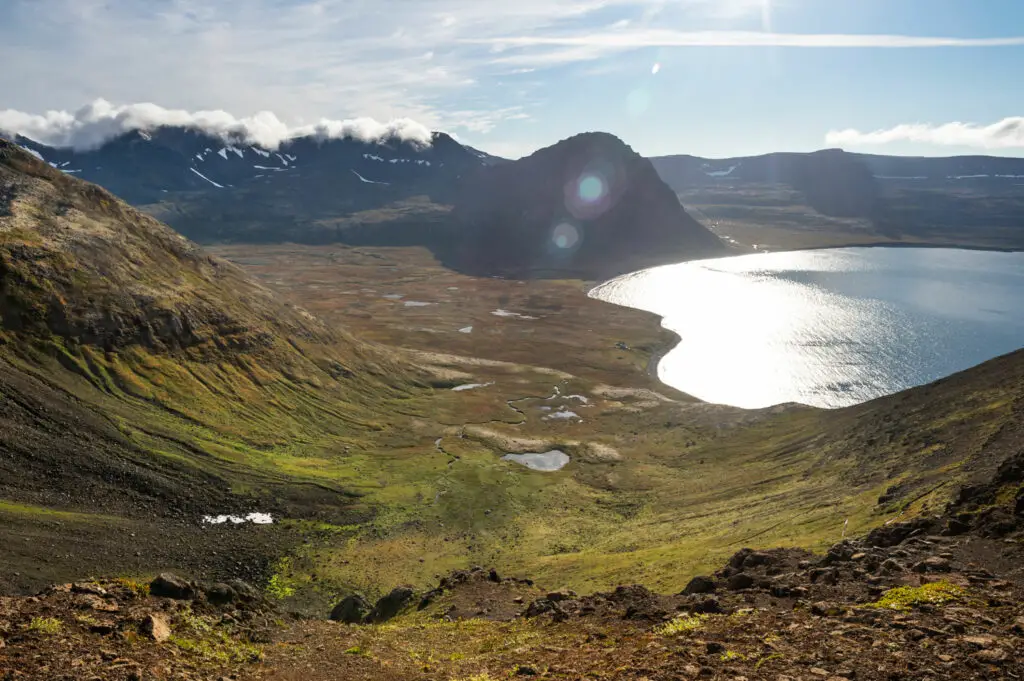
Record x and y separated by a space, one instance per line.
588 206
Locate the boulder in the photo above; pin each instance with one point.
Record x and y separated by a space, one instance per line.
244 591
738 558
219 593
707 606
155 626
352 609
168 585
840 553
700 585
891 566
561 595
740 581
757 558
395 602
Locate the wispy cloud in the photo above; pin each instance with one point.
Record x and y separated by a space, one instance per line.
1005 134
447 64
668 38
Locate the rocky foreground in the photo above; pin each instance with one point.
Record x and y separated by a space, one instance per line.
934 597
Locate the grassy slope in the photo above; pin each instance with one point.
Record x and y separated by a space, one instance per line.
335 437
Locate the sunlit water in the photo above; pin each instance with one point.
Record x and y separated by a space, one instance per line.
830 327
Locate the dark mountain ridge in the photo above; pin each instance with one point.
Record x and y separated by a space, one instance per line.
143 166
959 200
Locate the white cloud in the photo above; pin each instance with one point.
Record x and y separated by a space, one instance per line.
94 124
1005 134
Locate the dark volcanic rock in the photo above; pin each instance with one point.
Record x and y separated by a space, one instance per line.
395 602
740 581
352 609
219 593
172 586
700 585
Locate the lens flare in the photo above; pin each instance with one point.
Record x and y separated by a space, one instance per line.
591 188
638 101
565 236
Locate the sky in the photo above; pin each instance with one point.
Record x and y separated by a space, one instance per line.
714 78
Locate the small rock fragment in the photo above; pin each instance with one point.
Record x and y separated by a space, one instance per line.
932 564
991 656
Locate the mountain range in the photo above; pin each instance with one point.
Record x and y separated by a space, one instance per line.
403 192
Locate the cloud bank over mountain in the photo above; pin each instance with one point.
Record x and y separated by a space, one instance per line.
1005 134
100 121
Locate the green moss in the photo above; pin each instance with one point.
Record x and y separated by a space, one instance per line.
683 624
139 587
49 626
907 597
768 658
279 586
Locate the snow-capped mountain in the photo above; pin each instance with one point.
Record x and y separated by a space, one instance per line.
144 166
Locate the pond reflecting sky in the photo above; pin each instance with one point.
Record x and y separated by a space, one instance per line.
830 327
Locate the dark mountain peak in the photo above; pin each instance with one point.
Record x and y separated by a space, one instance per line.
588 205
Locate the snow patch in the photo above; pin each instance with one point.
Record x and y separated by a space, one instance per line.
254 518
416 303
206 178
720 173
367 181
505 313
471 386
466 329
34 153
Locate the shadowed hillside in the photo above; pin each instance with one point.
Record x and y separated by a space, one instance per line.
140 375
588 206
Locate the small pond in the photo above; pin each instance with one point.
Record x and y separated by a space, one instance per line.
540 461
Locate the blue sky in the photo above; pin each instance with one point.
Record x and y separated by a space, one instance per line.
733 77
